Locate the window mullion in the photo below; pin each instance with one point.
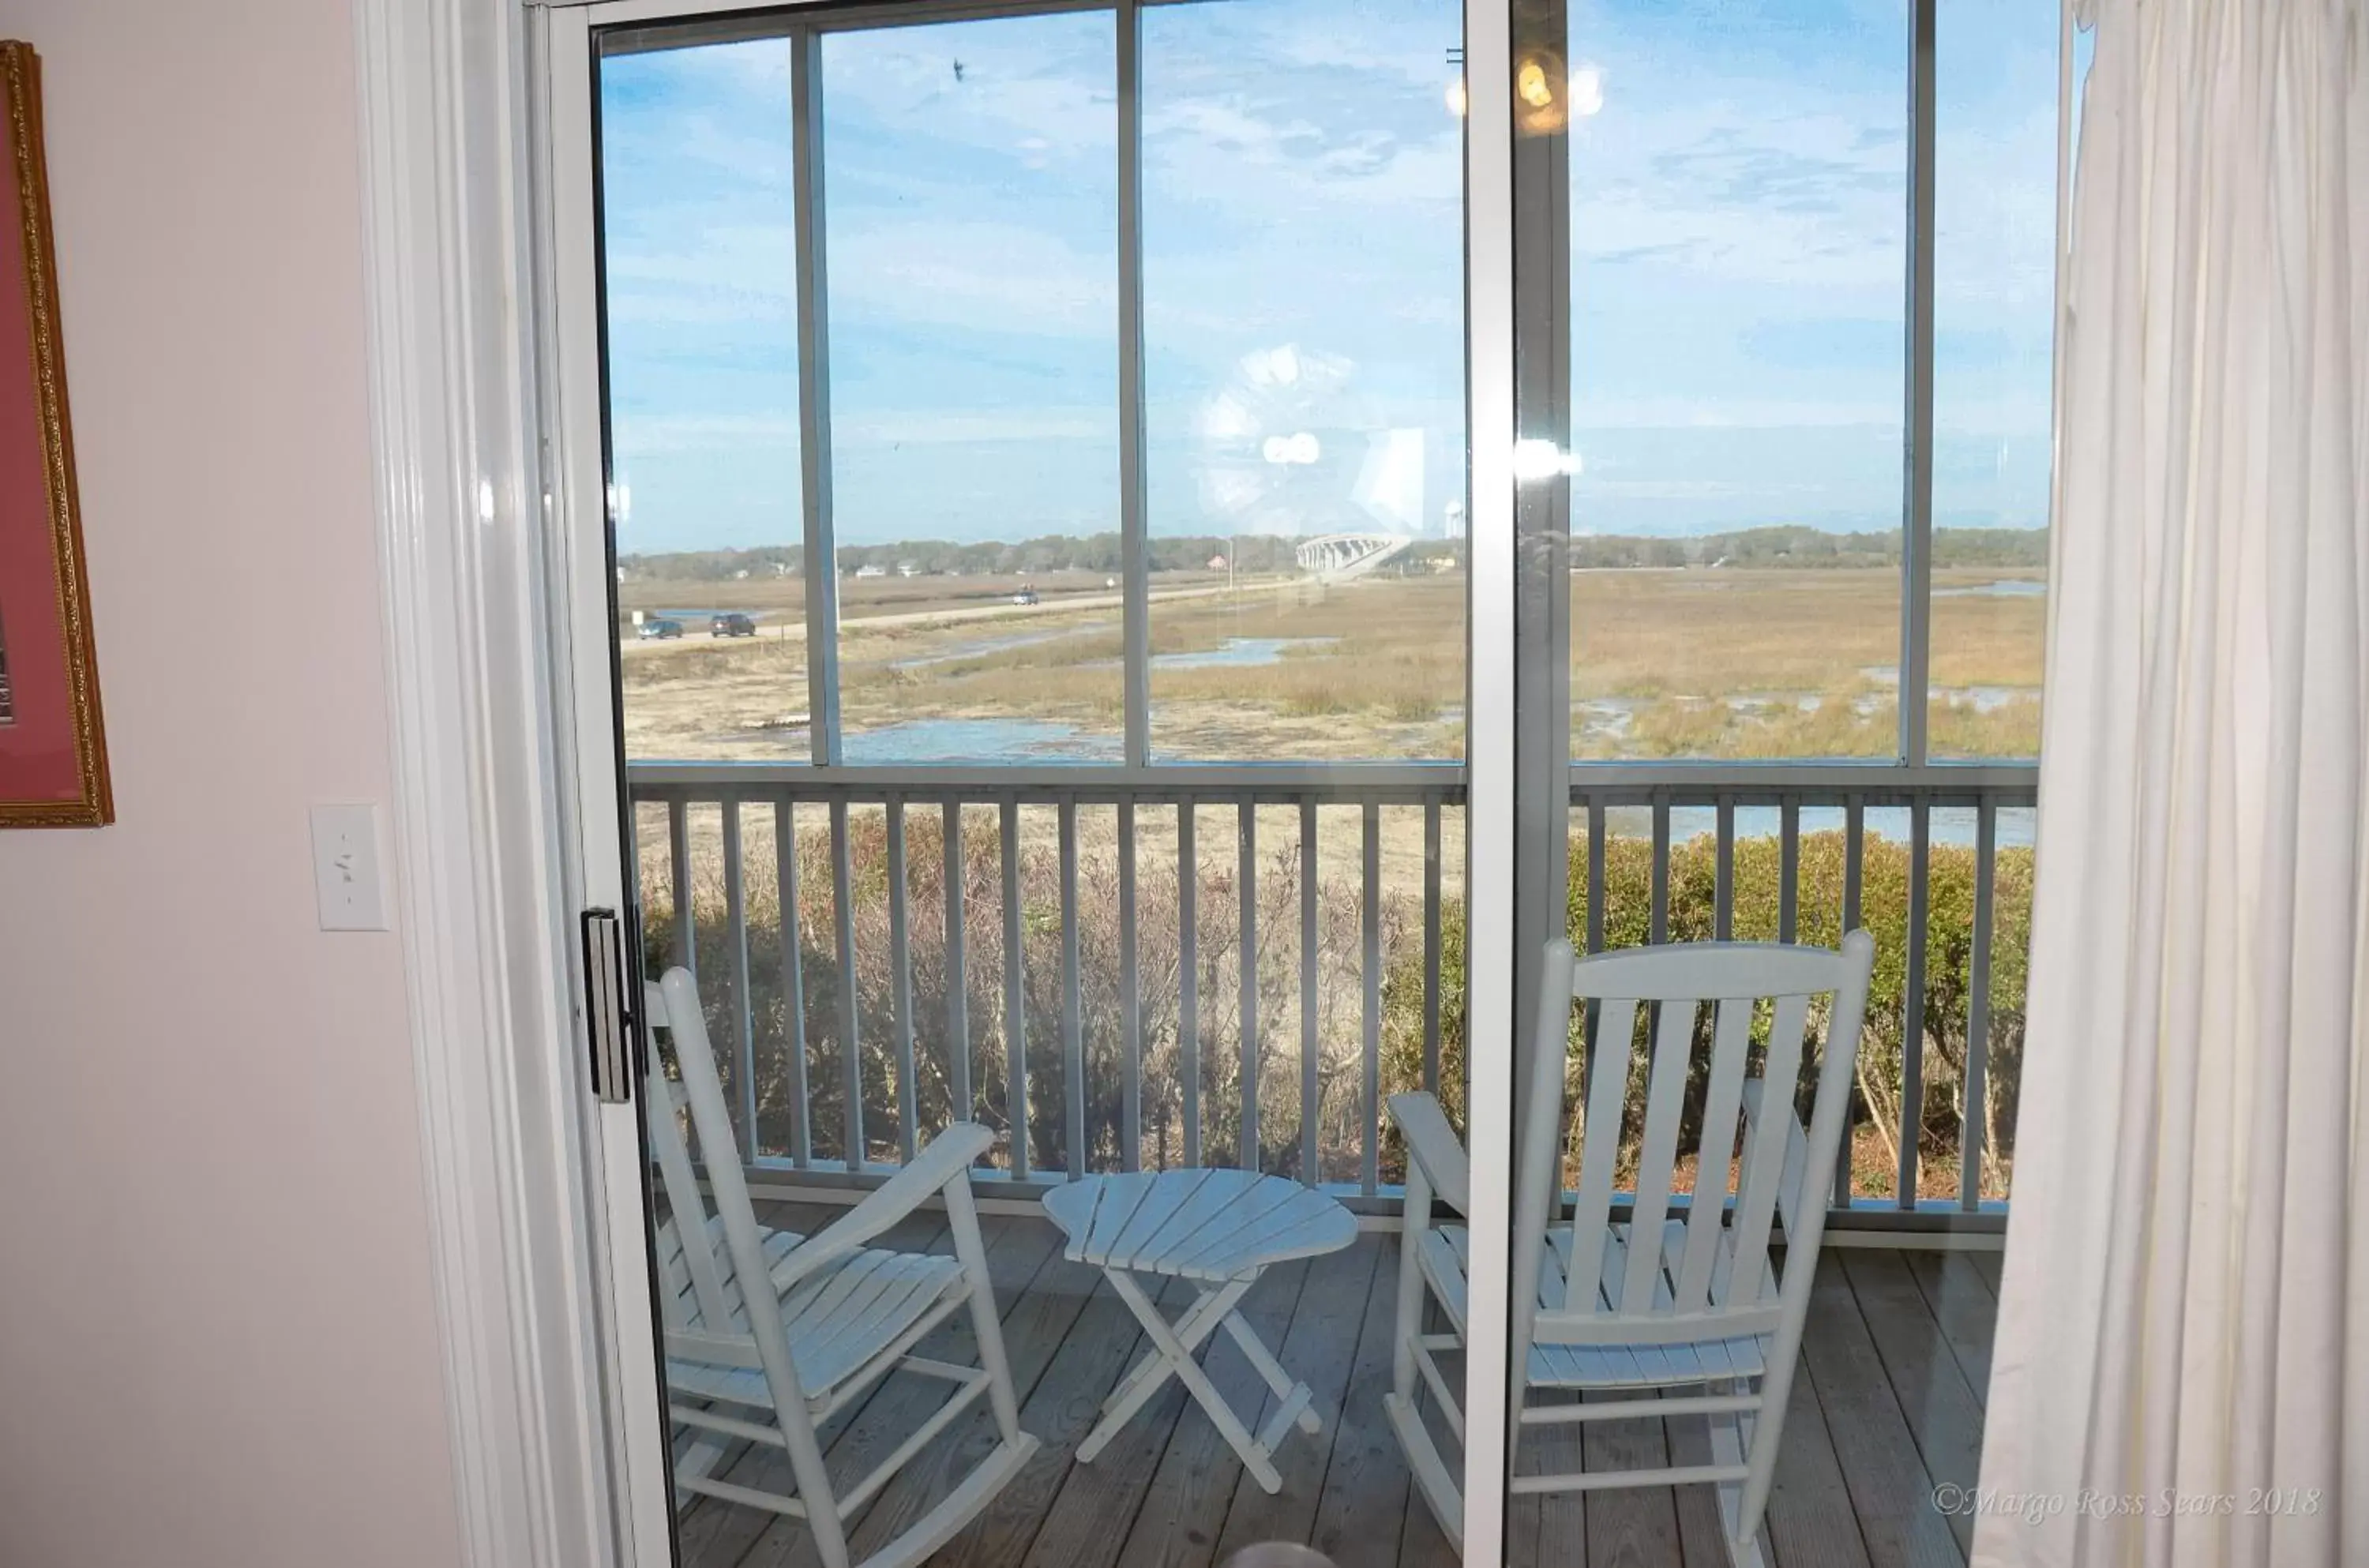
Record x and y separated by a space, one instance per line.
814 398
1916 534
1135 551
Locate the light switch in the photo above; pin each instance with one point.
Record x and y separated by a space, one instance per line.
346 868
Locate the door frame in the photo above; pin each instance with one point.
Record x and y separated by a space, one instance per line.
479 460
446 134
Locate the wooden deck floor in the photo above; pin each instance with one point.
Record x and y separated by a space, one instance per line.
1897 1360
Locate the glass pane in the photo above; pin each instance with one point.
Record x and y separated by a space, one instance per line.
971 216
1993 266
1304 373
703 401
1113 974
1738 221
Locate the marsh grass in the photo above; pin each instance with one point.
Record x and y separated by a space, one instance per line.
1709 663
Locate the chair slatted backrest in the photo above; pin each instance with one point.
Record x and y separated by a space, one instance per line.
1710 1280
692 1278
738 1320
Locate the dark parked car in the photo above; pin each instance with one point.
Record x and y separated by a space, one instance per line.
659 626
732 626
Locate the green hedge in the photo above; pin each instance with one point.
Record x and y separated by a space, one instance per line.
1340 1026
1884 910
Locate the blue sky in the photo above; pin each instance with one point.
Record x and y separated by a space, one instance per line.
1737 227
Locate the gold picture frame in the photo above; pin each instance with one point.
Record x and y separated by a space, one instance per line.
53 770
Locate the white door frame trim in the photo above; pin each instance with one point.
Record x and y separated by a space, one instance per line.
1493 574
479 817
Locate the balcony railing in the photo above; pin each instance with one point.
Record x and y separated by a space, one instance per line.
1238 964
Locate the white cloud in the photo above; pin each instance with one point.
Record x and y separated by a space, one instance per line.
1737 213
924 270
1715 186
929 427
718 271
1687 413
644 436
1755 488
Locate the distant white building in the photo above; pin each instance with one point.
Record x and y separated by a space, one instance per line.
871 571
908 569
1216 563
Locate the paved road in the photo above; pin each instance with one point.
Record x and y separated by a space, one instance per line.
1004 610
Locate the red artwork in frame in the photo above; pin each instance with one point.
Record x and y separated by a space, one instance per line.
53 745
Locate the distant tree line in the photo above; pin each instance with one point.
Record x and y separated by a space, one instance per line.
1793 546
1051 553
2025 548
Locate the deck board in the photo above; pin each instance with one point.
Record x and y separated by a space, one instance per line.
1703 1538
1422 1544
1932 1391
1895 1360
1365 1479
1890 1488
1075 1366
1319 1350
1553 1529
1630 1525
1086 1525
1963 1307
1549 1531
1811 1522
1193 1490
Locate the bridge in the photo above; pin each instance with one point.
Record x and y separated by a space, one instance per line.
1338 558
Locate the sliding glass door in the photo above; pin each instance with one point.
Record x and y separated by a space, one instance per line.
1040 563
1782 309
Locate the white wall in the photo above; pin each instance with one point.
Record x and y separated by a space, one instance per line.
217 1340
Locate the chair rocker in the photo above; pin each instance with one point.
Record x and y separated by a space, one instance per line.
1678 1310
827 1317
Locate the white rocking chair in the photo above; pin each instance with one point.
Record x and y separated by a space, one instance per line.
1697 1322
831 1316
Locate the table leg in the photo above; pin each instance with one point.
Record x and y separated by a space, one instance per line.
1177 1360
1151 1369
1284 1386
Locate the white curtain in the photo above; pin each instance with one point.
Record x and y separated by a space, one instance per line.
2184 1319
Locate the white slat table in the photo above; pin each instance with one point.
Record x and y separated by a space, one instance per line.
1220 1230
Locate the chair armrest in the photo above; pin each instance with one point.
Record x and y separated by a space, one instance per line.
1432 1144
946 1159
